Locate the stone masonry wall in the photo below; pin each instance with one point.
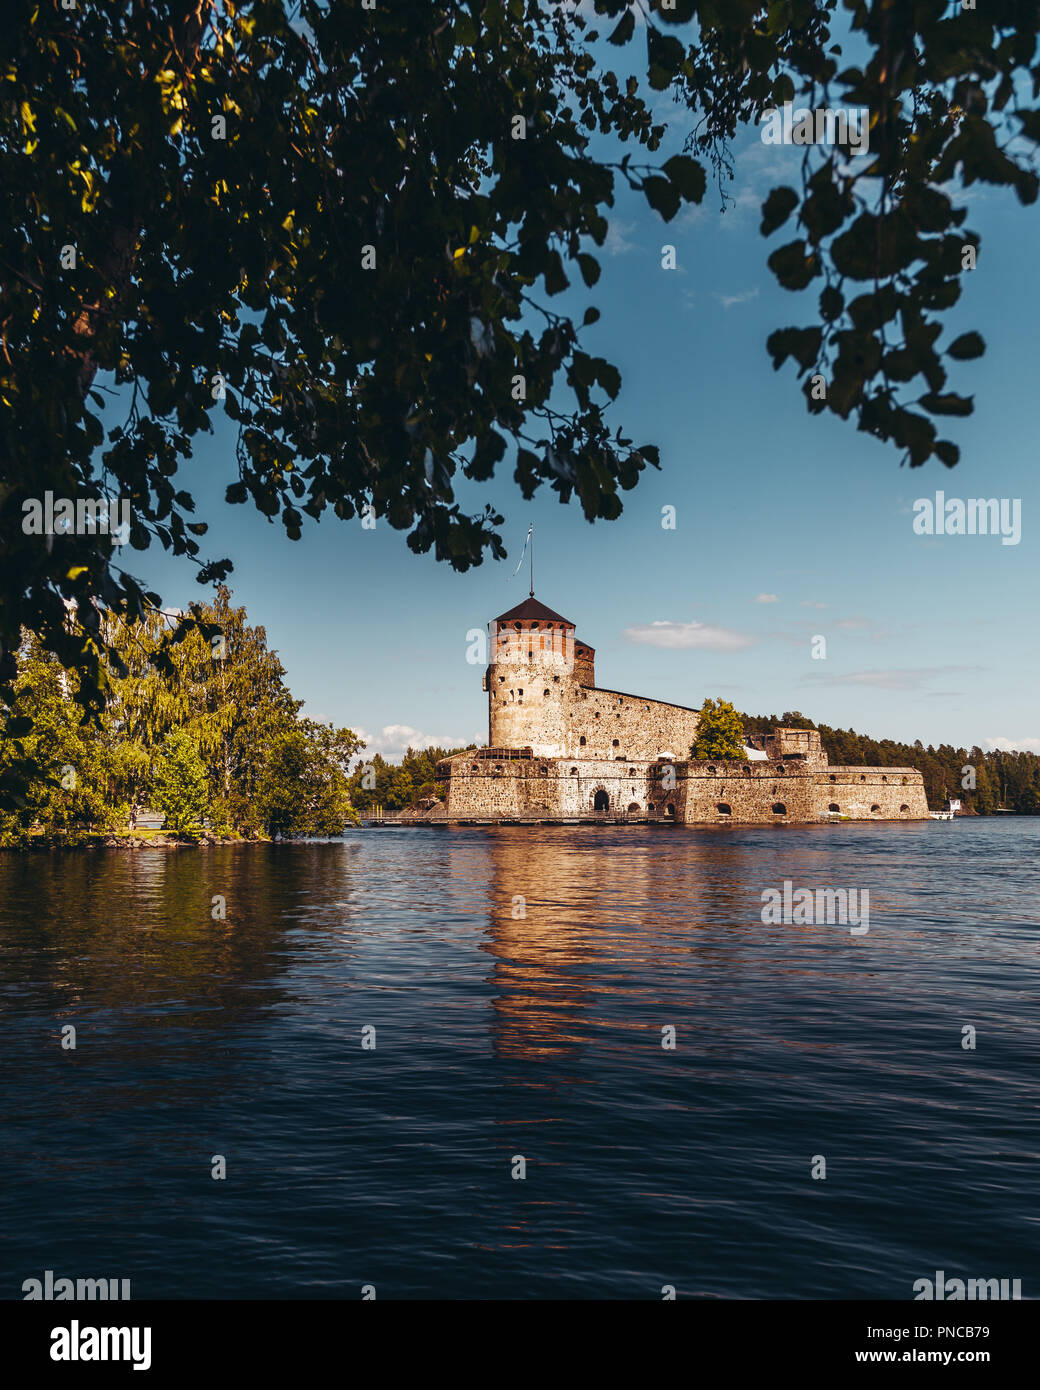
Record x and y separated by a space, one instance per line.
565 789
856 791
703 793
536 705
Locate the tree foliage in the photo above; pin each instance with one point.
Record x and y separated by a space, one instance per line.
720 732
179 783
951 97
304 791
204 702
376 782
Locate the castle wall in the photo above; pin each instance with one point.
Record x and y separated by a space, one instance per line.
750 790
754 793
535 704
857 790
558 789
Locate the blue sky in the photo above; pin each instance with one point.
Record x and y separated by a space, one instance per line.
787 527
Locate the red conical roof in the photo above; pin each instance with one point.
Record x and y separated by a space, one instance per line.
532 611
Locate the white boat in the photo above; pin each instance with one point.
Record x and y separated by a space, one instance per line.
940 815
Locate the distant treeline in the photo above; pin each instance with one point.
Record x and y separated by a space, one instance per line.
1009 781
397 785
198 724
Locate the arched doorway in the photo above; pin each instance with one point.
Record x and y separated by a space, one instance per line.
601 801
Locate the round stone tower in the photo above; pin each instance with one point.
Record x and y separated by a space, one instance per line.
535 668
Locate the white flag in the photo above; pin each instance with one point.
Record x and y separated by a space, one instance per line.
524 551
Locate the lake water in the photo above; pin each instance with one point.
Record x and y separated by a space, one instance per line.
499 1035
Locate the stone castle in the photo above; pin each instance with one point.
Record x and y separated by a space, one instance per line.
560 748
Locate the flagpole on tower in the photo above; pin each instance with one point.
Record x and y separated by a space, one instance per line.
531 534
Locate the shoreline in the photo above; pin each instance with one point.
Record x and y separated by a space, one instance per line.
128 840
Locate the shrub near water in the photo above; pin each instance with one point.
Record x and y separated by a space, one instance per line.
198 723
179 784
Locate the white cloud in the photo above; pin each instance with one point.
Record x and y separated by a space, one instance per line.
728 300
767 598
907 678
617 242
686 636
1012 745
393 739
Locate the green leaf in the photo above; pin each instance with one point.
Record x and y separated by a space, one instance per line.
662 196
665 54
777 208
803 344
555 279
832 302
589 267
625 29
950 404
687 175
968 345
793 266
608 377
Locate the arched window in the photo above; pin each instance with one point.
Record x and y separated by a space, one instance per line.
833 778
711 772
779 809
884 779
904 807
906 781
473 767
545 694
781 768
834 806
574 772
633 808
581 741
601 801
616 743
874 809
631 772
724 808
669 810
862 778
